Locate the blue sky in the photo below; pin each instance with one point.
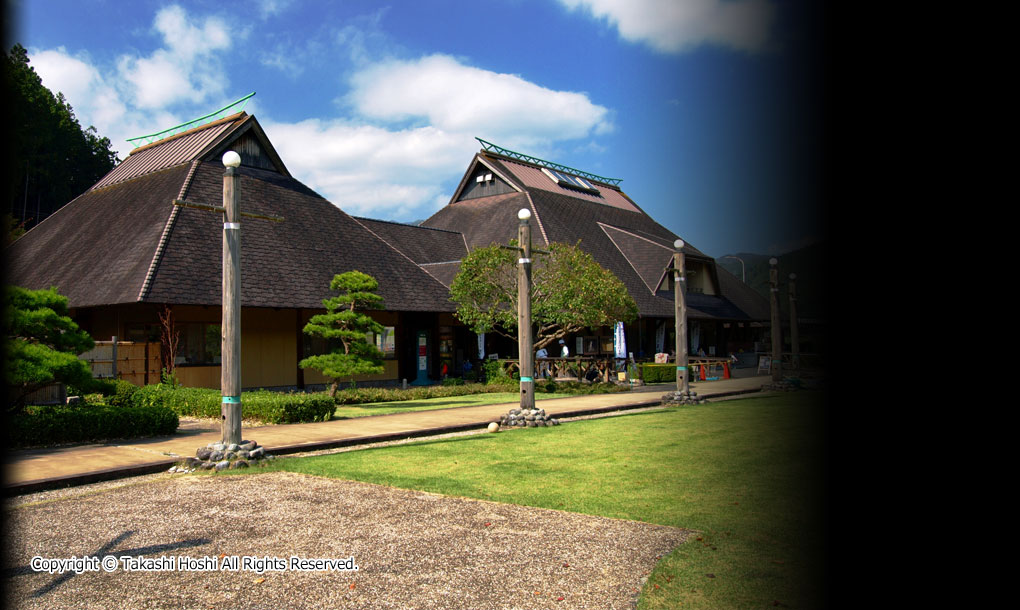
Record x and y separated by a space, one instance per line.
703 108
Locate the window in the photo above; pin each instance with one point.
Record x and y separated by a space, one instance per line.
199 343
386 342
570 181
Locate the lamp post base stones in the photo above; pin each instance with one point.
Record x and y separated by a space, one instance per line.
222 456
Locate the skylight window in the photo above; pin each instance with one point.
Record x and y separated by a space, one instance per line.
569 180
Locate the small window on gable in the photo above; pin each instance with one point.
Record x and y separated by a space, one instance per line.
570 181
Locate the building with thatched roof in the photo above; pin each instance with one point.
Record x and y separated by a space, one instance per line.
576 207
126 250
123 251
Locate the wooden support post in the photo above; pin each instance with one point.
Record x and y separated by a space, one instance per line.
794 334
230 328
230 352
777 337
524 343
681 318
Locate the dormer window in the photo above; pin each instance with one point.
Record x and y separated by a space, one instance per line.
570 181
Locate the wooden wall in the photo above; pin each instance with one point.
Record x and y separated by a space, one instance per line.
270 342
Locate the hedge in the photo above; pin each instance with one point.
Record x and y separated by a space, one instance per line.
59 424
355 396
660 373
262 405
578 387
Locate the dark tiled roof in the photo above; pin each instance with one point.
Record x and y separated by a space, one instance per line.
484 221
420 244
648 258
97 249
444 272
115 244
621 238
743 296
283 264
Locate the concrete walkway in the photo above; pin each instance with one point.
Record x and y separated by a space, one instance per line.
39 469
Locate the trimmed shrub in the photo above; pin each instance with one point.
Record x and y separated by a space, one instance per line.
59 424
658 373
577 387
354 396
278 408
122 393
262 405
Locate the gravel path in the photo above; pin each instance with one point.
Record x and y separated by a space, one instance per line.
413 549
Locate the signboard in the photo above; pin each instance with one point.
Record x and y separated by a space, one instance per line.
620 341
423 359
764 364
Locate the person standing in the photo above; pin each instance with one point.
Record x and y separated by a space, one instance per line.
543 365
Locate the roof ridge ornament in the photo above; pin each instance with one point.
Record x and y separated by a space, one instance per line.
490 147
233 108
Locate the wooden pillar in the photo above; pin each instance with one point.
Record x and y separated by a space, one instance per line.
680 298
794 333
524 340
777 337
230 350
300 330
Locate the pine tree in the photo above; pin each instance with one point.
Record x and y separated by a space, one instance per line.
347 328
42 344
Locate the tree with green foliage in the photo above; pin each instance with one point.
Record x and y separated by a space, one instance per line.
42 345
570 291
55 160
346 325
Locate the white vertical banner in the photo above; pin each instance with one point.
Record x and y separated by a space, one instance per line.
481 346
620 341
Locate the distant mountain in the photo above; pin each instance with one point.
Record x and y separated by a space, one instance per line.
810 264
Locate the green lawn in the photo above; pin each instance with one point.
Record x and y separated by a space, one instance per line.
745 473
429 404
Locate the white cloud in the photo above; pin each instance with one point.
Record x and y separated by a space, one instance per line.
457 98
134 96
186 69
372 171
81 83
409 128
96 102
673 26
269 8
188 40
414 130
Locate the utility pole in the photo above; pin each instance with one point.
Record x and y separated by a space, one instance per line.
794 334
777 338
230 328
679 297
230 345
524 339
